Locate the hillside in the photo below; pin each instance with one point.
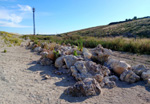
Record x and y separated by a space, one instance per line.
9 39
138 27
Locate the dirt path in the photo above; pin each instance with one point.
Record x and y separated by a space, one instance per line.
21 82
132 59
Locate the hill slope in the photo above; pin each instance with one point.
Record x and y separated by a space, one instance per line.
139 27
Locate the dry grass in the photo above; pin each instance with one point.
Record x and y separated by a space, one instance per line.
139 45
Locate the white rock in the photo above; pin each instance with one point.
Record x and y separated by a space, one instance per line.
146 75
148 83
44 54
107 51
87 55
59 62
38 49
85 50
117 65
70 60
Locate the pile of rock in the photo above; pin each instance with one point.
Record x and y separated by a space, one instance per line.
92 68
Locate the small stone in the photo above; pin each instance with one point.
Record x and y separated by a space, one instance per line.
47 77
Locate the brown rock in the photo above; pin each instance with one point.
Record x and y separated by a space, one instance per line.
51 55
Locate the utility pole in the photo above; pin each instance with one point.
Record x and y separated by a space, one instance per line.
33 21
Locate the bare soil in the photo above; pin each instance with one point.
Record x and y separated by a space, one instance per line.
22 82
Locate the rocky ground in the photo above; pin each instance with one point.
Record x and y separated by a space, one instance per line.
22 81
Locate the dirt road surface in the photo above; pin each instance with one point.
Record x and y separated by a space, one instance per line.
22 82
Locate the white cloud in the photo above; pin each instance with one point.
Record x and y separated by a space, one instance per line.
11 24
13 17
25 8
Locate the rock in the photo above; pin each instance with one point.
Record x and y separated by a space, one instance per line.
117 65
146 75
47 76
59 62
108 83
45 61
37 49
89 69
44 54
113 78
70 60
87 55
100 54
51 55
98 77
148 83
129 76
87 87
107 51
139 69
79 71
85 50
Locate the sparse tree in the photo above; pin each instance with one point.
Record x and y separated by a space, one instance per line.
134 18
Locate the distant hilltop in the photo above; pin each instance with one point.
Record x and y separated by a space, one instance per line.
136 27
127 20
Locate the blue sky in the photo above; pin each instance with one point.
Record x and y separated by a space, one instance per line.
59 16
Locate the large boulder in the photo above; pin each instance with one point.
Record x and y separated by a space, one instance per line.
129 76
117 66
139 69
79 71
89 69
100 54
68 60
59 62
87 87
146 75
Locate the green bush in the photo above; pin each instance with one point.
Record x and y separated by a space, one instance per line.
75 53
5 50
